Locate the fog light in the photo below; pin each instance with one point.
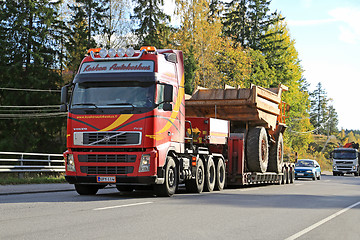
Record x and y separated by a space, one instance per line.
70 163
130 52
103 53
144 163
112 52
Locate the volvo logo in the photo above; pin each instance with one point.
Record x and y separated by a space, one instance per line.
106 138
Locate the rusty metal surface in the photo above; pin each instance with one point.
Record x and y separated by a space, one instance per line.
255 105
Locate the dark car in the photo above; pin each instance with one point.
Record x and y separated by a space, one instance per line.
307 168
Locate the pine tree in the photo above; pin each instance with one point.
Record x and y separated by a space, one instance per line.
247 22
318 114
29 62
153 29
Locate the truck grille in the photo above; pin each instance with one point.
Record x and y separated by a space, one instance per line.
107 158
107 138
106 169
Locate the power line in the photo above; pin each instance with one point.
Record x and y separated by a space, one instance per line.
33 115
46 106
30 90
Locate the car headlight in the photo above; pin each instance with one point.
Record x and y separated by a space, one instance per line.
70 163
309 171
144 163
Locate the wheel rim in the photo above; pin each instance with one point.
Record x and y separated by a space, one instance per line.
200 175
171 177
263 150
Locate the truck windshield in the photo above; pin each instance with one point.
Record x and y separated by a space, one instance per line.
344 154
113 95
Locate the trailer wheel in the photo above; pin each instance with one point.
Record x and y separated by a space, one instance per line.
257 150
276 152
220 175
196 185
292 175
210 175
168 188
84 189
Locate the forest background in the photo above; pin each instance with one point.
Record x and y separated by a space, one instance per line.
237 43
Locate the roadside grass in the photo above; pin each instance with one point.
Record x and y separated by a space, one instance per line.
13 179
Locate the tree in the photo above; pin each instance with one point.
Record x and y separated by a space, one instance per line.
29 61
247 22
318 108
87 20
153 29
118 25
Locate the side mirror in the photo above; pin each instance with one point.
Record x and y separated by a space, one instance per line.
63 108
167 107
168 93
64 95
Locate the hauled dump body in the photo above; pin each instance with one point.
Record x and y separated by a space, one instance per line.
256 106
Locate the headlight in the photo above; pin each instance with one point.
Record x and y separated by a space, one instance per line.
354 167
70 163
144 163
334 167
309 171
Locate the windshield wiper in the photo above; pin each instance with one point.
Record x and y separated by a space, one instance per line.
88 104
121 104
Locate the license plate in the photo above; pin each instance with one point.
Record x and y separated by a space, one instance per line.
106 179
300 174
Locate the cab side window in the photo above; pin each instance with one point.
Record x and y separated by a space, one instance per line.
160 94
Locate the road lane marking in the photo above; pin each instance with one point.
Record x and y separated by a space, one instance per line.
121 206
249 189
308 229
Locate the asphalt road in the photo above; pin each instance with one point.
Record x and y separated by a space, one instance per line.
325 209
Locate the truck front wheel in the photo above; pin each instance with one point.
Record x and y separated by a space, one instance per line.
168 188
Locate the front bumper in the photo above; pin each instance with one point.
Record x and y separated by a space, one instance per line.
304 175
146 180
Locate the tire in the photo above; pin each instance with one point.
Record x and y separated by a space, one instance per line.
168 188
125 188
319 177
276 152
257 150
287 179
314 177
84 189
196 185
334 174
285 176
210 175
220 175
292 176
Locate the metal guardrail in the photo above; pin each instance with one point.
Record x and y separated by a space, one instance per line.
31 162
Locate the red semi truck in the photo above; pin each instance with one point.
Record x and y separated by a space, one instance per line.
127 126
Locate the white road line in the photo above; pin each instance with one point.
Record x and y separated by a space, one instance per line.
121 206
298 184
249 189
306 230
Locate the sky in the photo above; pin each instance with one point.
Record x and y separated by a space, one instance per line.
327 38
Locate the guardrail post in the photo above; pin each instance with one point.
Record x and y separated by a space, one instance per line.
21 174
